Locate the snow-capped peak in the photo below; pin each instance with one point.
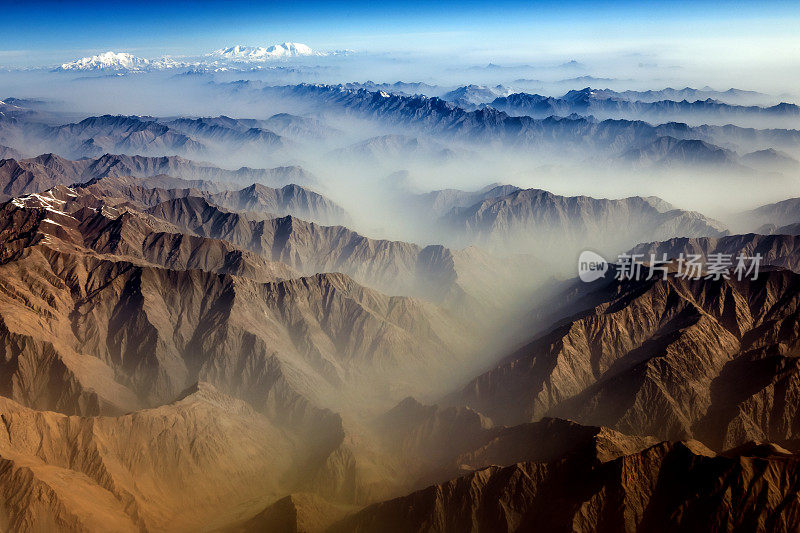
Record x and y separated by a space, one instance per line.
233 57
108 61
259 53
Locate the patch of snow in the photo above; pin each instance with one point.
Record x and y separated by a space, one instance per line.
62 213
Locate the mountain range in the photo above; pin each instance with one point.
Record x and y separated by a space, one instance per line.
607 104
577 134
166 313
533 219
616 363
434 129
376 325
25 176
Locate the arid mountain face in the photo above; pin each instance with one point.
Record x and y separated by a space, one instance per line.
187 347
165 308
107 311
443 201
187 464
663 357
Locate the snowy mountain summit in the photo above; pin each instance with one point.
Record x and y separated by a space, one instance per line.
241 53
235 56
108 61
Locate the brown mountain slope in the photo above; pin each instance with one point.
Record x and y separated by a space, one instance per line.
80 221
141 166
658 358
470 281
92 323
107 310
666 487
27 176
444 443
159 307
204 459
160 330
93 273
288 200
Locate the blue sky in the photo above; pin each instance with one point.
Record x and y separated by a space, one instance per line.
51 32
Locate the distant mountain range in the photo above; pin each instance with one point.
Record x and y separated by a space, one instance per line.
621 139
189 137
470 96
435 116
768 218
108 61
483 94
239 54
397 87
731 96
609 104
250 54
